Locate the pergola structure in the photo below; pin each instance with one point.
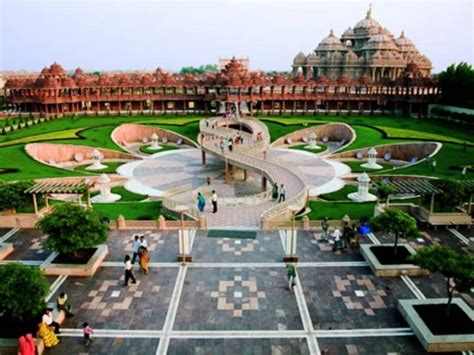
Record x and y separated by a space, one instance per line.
415 187
46 188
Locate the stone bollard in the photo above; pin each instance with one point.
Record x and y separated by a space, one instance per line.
121 222
305 223
161 222
202 222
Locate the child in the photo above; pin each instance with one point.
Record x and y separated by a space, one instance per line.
87 333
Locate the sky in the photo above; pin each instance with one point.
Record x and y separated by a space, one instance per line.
138 35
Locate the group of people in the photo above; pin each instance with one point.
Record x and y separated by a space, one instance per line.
140 250
348 238
201 201
278 192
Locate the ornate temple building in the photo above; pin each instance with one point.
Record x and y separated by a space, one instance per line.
53 91
367 49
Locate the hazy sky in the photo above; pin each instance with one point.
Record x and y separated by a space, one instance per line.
146 34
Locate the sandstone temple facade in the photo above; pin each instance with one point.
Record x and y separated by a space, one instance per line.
367 49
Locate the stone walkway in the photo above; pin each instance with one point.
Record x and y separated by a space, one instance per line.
233 298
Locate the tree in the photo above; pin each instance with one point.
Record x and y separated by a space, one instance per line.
12 195
397 223
18 305
202 69
457 84
454 193
71 227
384 191
457 268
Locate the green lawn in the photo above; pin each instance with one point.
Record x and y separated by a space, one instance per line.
449 162
110 169
356 166
445 129
127 196
164 147
339 195
278 130
337 210
95 137
317 151
190 130
130 210
23 167
368 137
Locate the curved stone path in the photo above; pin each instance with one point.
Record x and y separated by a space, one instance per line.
251 155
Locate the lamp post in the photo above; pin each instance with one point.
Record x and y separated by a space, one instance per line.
182 209
292 257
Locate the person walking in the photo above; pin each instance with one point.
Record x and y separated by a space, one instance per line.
143 242
136 246
291 268
87 331
275 191
144 259
337 237
324 229
128 271
49 337
201 202
222 145
346 234
282 193
230 145
214 201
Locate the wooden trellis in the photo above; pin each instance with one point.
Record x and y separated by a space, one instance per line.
45 188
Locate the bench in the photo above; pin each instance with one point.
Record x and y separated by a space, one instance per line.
58 317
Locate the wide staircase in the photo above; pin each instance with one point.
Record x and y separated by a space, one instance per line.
252 155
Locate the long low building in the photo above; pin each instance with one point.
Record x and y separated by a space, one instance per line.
53 91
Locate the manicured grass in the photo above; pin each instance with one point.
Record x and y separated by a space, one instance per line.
95 137
316 151
130 210
356 166
278 130
164 147
368 137
445 129
190 130
110 169
66 134
392 132
86 122
337 210
127 196
25 168
449 162
340 195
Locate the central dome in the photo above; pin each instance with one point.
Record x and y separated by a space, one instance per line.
368 23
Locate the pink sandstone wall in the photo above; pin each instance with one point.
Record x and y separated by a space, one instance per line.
336 132
399 151
62 153
134 133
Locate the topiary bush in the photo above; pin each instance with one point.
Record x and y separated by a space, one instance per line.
13 197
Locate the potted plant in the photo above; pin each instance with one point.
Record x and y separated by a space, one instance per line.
392 259
74 234
443 324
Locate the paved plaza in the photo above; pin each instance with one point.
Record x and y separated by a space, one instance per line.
234 298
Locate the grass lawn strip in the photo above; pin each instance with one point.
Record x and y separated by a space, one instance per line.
316 151
337 210
410 134
66 134
110 169
127 196
355 166
164 147
130 210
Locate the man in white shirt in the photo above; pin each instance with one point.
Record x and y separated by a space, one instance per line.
143 242
136 246
214 201
48 320
282 193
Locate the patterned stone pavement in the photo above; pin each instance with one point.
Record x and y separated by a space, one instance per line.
234 298
237 299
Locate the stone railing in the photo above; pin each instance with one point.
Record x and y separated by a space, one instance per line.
177 190
246 200
249 156
161 223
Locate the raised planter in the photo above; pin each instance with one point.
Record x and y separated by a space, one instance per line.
387 269
5 250
88 269
438 342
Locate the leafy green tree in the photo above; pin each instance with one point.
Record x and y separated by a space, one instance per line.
13 197
457 84
384 191
202 69
18 305
457 268
397 223
454 193
71 227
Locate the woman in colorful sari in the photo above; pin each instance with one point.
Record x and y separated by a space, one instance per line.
144 259
201 202
47 333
